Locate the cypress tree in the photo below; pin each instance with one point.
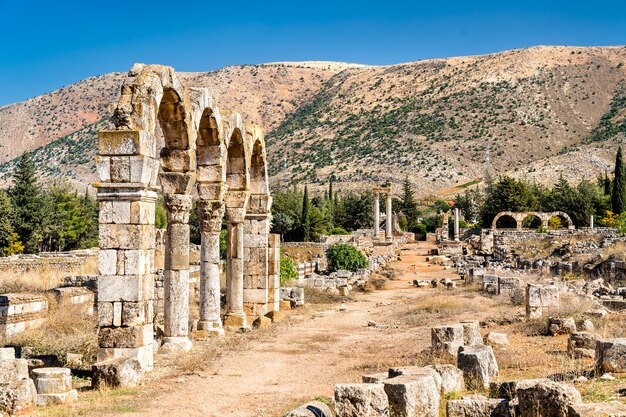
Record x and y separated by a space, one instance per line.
618 197
409 206
306 215
27 201
330 188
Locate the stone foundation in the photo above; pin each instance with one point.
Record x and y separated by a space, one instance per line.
20 312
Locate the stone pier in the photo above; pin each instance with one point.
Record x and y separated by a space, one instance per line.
457 233
389 221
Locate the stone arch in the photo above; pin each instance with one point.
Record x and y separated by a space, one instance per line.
505 215
566 219
532 220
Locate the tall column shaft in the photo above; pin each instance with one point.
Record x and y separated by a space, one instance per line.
456 225
210 214
389 222
176 273
235 315
376 215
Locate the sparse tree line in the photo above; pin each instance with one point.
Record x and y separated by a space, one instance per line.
34 218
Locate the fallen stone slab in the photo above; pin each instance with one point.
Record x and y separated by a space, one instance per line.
311 409
377 378
547 399
608 409
451 378
497 339
445 340
478 364
471 333
508 389
117 373
561 325
486 407
361 400
412 396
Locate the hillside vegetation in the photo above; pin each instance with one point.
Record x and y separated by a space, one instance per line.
539 113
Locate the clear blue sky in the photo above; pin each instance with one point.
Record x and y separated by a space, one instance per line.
48 44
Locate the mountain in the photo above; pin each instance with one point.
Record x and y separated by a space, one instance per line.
538 113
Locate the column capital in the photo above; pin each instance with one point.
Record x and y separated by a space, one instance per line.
178 206
235 215
210 213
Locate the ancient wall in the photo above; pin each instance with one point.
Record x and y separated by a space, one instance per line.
20 312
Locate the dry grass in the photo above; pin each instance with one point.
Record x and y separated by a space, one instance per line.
67 329
438 308
314 295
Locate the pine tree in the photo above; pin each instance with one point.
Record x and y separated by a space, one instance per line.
6 224
618 197
306 215
27 201
330 188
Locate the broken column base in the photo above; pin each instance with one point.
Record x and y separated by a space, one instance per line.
237 321
175 345
213 328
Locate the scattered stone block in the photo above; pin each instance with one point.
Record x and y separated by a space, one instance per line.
497 339
611 355
451 378
540 300
377 378
471 333
412 396
445 340
586 326
284 305
479 407
54 386
508 389
417 371
7 353
608 409
361 400
262 322
478 364
117 373
547 399
275 316
581 345
561 325
13 370
311 409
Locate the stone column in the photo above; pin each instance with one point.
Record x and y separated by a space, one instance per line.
456 225
591 222
235 315
376 213
273 271
176 274
210 214
126 194
389 221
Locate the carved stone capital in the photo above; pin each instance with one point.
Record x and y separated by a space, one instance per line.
235 215
177 207
210 214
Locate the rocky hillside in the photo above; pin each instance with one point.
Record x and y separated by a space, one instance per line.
539 112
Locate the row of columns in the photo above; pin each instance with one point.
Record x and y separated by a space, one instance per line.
389 212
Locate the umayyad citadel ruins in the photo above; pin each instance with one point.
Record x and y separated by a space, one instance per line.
172 140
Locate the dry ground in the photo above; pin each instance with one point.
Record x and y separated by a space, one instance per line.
266 372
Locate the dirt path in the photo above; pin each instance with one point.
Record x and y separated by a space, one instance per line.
302 357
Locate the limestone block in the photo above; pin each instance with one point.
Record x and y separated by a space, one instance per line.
69 397
136 313
180 160
611 355
497 339
445 340
478 364
581 345
284 305
561 325
103 167
117 313
7 353
262 322
311 409
52 380
361 400
452 379
605 409
127 236
137 262
143 169
547 399
256 296
177 182
120 169
13 370
125 288
412 396
276 315
377 378
143 354
471 333
25 394
416 371
479 408
142 212
107 262
125 337
125 142
8 400
126 373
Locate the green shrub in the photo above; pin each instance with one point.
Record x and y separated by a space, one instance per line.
338 231
346 257
288 270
